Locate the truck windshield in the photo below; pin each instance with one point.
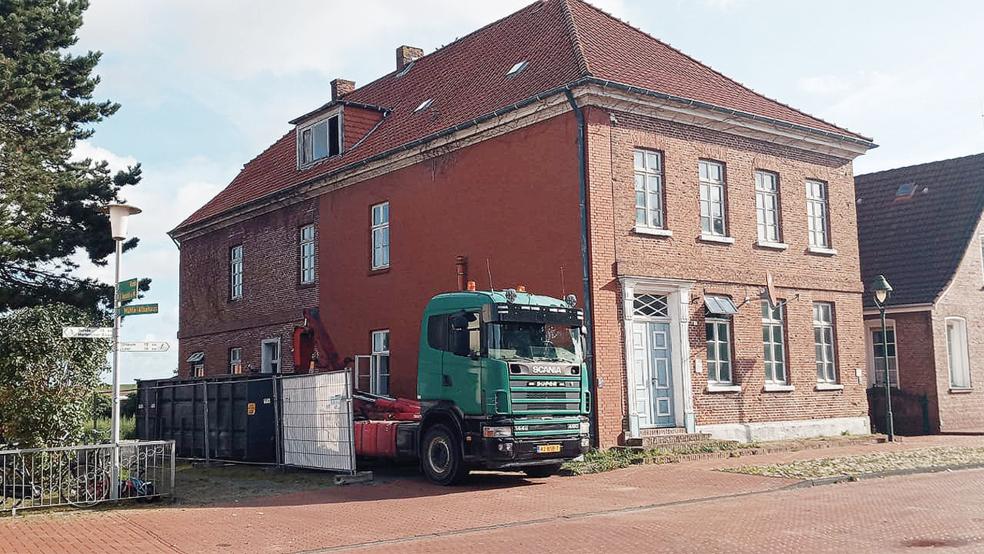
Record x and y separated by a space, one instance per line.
534 341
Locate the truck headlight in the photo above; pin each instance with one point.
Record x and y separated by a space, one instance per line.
585 427
497 432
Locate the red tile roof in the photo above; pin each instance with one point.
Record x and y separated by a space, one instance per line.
563 40
917 243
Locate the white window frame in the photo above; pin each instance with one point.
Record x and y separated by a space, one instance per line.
775 369
877 373
198 370
768 217
273 367
818 213
957 354
713 193
308 253
306 157
648 177
236 272
235 360
714 362
379 373
827 349
380 235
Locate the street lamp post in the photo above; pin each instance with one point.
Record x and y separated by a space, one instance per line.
118 215
882 290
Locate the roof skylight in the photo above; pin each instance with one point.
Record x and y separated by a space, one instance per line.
517 68
906 190
424 105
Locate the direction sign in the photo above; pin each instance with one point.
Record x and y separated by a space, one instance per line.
87 332
144 346
138 309
128 289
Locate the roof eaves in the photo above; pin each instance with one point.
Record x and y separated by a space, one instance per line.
867 142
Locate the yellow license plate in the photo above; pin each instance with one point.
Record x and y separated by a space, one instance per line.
548 449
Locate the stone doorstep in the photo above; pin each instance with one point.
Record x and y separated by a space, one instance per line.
668 439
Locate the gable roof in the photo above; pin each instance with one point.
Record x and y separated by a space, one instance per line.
917 242
564 41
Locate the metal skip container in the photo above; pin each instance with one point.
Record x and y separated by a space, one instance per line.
219 418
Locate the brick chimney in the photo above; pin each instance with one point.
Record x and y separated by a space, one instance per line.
407 54
341 87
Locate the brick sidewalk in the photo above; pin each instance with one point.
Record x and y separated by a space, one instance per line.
402 508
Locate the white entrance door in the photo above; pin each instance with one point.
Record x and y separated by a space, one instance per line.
652 375
270 356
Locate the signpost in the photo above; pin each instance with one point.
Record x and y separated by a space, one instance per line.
128 289
87 332
144 346
138 309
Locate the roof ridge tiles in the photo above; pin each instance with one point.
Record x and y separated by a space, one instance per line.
575 37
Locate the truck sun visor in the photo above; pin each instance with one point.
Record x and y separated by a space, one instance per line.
558 315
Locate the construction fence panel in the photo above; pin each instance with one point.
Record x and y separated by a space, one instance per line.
317 421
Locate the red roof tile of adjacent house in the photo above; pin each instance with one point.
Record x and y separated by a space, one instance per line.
918 241
563 41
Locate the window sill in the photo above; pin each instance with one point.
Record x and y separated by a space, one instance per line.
723 388
772 245
652 231
779 388
829 386
822 251
961 390
307 285
379 271
716 239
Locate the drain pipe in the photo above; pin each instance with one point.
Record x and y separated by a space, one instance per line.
582 171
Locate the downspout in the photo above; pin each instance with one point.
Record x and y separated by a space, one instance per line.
582 170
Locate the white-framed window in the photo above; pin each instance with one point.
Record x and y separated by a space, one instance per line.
236 272
958 357
823 338
235 360
308 256
648 167
767 206
650 305
880 345
712 209
270 356
381 236
198 370
380 367
817 214
719 351
320 139
774 343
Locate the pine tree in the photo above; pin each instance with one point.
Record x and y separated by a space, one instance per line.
49 205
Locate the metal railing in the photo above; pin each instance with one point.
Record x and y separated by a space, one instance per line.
80 476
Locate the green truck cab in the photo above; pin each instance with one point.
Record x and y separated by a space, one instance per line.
502 384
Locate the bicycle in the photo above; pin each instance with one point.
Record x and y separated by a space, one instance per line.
16 482
86 480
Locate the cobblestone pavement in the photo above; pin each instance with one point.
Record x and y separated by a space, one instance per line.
682 507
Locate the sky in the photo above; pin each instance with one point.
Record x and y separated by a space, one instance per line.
206 86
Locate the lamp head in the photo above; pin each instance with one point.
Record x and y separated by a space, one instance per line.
881 288
118 215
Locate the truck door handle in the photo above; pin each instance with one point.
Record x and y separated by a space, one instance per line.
446 380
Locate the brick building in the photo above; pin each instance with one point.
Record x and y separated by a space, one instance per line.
921 227
562 149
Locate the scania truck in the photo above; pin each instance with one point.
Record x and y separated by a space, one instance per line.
501 383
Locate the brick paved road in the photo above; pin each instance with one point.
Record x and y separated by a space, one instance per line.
681 507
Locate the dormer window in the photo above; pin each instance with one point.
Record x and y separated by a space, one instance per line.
321 139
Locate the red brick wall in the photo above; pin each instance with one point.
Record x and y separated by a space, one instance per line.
737 269
962 411
272 294
512 200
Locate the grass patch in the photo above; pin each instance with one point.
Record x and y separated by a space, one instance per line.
598 461
99 431
854 466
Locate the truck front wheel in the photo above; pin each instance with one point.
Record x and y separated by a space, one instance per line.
441 456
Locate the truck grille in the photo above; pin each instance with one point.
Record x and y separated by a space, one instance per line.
524 406
545 395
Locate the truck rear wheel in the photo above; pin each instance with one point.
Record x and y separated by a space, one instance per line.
440 456
542 471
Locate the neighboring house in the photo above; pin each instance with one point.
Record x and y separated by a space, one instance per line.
921 226
565 150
